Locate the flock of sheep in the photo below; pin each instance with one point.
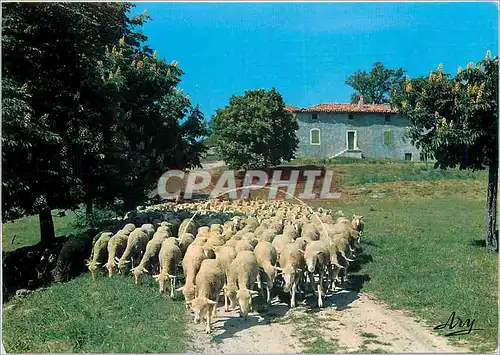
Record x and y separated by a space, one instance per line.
263 244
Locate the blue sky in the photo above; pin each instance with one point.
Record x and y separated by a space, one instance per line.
306 50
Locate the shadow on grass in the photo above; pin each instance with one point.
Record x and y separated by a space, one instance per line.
481 243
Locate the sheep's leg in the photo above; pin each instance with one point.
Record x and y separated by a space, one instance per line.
294 289
209 315
269 287
226 305
172 286
320 290
311 282
259 283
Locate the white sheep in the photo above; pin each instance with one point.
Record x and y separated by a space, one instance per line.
292 264
150 258
170 258
225 256
99 251
241 279
116 247
136 245
191 264
209 284
266 257
317 259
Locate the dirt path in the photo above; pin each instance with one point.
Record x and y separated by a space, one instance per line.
350 322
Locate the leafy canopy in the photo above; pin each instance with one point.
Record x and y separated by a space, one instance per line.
375 85
255 130
455 119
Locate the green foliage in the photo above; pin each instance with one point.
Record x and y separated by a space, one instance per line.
98 220
455 119
89 111
376 85
255 130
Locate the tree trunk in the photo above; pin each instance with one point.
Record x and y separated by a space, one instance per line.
88 206
491 223
47 232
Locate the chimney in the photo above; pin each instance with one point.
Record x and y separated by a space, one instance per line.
360 102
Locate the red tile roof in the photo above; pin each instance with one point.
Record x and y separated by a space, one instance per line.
337 107
292 108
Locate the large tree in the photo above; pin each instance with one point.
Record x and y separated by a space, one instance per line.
455 120
255 130
375 85
90 114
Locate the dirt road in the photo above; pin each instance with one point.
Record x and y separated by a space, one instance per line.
350 322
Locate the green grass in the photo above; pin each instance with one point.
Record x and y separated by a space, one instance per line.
426 259
26 231
354 172
368 335
111 315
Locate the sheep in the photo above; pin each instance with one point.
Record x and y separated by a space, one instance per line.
191 264
99 252
149 229
150 257
225 255
302 243
291 229
241 279
116 247
136 244
185 241
317 259
128 228
292 264
357 223
242 245
266 257
187 226
268 235
209 284
280 241
164 230
169 257
310 232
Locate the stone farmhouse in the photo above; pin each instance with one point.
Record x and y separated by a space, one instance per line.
353 130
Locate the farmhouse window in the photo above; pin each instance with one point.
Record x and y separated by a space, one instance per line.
387 118
351 140
408 156
387 137
314 116
315 136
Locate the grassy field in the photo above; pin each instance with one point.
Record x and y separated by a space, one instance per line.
26 231
427 256
108 316
422 252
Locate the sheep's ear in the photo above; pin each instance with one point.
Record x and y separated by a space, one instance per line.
278 268
117 260
299 270
156 277
180 289
172 276
211 302
97 263
145 270
253 293
301 251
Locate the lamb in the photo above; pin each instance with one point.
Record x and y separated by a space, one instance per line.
169 257
99 253
241 279
116 247
191 264
317 259
266 257
292 264
136 245
225 255
150 257
209 284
